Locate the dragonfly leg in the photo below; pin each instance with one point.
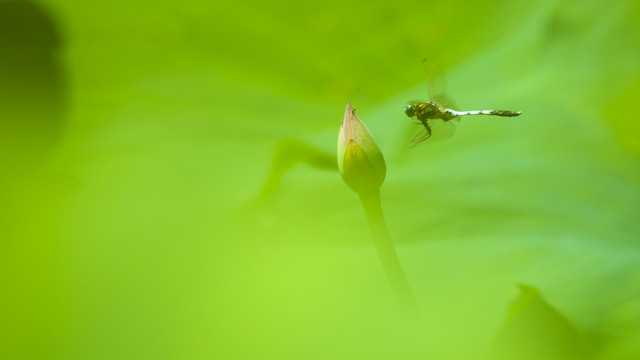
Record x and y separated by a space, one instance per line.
423 135
427 127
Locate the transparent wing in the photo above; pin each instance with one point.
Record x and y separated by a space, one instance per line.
441 129
436 83
445 101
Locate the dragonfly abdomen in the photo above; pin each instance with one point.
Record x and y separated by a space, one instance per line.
490 112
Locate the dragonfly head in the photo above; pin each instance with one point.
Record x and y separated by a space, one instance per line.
410 110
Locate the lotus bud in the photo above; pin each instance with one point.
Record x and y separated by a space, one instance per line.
360 160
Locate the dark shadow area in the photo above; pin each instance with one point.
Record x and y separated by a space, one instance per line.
288 154
32 83
33 96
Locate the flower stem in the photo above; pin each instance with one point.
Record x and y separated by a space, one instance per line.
386 252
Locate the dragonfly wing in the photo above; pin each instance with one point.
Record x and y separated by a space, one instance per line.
442 129
445 101
436 83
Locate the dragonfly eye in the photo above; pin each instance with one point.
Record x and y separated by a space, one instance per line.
409 111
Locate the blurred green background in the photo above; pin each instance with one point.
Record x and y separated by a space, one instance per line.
136 135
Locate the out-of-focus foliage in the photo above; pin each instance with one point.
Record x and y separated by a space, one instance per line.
134 134
534 330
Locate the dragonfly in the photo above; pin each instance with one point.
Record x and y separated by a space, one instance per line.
435 115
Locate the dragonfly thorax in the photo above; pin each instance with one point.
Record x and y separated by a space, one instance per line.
428 110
